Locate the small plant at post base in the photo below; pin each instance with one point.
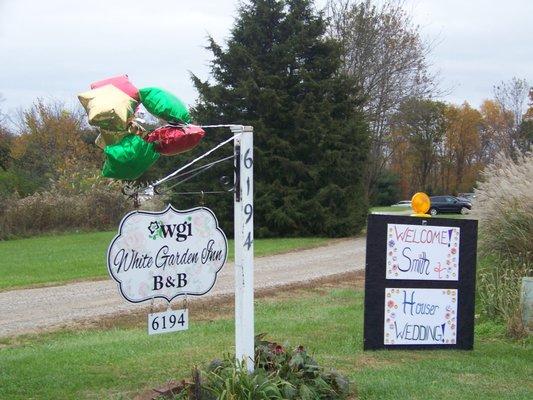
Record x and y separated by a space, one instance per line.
279 373
307 379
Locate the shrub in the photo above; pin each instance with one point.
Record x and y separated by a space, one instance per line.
504 207
55 212
79 202
279 374
387 190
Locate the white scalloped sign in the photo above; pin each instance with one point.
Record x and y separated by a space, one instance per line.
167 254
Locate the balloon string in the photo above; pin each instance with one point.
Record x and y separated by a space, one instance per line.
204 192
218 126
202 167
181 125
198 170
166 178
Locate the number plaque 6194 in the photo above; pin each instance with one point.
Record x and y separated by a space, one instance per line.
168 321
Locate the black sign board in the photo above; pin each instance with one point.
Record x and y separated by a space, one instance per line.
419 283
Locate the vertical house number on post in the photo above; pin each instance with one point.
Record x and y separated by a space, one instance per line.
248 198
244 246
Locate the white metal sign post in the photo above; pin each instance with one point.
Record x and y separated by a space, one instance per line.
172 253
244 246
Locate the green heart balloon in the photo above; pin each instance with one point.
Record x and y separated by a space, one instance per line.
129 158
164 105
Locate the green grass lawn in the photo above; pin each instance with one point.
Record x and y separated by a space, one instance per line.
120 360
62 258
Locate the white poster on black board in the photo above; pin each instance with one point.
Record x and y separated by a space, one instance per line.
422 252
415 316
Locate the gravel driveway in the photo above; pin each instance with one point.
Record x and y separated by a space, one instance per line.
29 310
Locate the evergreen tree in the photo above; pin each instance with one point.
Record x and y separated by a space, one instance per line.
280 74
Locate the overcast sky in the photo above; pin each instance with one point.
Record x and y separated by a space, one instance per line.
55 48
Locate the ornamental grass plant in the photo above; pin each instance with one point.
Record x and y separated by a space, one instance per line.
504 207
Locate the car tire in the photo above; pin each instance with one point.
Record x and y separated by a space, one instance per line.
464 210
433 211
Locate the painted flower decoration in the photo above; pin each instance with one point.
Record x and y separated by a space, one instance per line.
390 303
391 243
154 226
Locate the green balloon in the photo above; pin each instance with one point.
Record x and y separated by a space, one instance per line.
129 158
164 105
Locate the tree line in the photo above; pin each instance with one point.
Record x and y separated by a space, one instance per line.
442 148
343 104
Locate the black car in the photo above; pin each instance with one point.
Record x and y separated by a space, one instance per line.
450 204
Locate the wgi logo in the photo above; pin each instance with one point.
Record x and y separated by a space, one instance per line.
178 231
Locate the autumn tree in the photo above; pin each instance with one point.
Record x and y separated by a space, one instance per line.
49 143
525 132
529 113
495 132
463 124
383 51
5 148
400 163
420 125
5 140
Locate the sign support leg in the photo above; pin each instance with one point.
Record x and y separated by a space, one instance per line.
244 246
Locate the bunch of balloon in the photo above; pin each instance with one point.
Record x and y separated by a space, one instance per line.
130 148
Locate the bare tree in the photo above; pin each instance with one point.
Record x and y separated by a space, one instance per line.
383 50
5 140
2 115
512 97
421 124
